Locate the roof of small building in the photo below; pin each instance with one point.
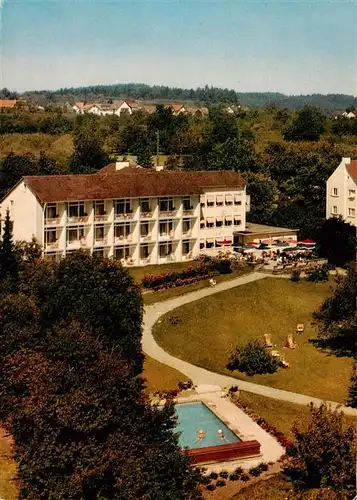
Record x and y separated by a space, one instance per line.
128 183
7 103
352 169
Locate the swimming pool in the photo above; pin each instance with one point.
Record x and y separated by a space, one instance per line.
193 417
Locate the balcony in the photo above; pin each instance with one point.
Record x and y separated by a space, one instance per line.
75 244
52 246
188 212
167 236
145 237
101 218
146 215
99 242
123 239
52 221
129 261
187 256
168 213
187 234
171 257
124 216
83 219
145 261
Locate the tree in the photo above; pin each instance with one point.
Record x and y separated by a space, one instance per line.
71 392
336 318
263 197
253 359
308 125
323 453
9 258
352 391
336 241
13 168
88 155
144 158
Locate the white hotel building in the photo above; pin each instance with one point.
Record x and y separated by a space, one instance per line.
136 215
341 190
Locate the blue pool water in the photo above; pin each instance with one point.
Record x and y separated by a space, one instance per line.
193 417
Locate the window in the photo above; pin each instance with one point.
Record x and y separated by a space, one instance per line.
185 247
334 191
219 222
229 199
99 208
219 200
202 224
165 249
334 209
351 212
166 204
51 211
165 228
203 201
237 222
210 222
76 209
186 203
99 233
186 225
351 193
122 253
144 251
122 231
50 237
210 201
75 234
228 221
144 229
145 205
123 207
237 199
202 244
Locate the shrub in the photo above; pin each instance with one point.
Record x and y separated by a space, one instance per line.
220 482
238 471
263 466
244 477
255 471
234 477
318 274
213 475
210 487
253 359
295 275
223 474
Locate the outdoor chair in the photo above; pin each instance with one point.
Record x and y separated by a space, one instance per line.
267 340
290 344
300 328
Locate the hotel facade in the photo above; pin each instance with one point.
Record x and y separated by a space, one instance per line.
136 215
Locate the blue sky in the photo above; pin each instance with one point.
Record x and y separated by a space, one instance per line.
292 46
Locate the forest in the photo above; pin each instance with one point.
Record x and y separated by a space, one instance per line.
286 156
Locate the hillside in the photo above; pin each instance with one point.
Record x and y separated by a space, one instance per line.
207 95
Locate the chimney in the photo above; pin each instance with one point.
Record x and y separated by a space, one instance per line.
121 164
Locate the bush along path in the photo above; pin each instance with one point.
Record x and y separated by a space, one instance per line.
202 377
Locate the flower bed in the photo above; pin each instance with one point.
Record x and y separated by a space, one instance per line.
202 269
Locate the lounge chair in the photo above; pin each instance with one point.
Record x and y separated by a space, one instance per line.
300 328
267 340
290 344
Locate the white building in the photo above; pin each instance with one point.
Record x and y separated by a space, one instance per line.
341 191
136 215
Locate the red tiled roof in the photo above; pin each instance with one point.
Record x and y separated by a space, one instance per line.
7 103
352 169
128 183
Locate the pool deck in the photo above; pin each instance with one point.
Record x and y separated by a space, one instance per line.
240 423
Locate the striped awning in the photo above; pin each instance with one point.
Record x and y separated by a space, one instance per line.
219 219
210 199
219 198
237 197
210 220
229 198
209 240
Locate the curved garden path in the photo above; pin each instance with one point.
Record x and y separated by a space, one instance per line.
200 376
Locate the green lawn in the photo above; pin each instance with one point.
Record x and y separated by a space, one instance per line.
161 377
207 331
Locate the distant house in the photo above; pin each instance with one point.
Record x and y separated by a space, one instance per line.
341 189
177 109
149 108
198 112
81 107
8 103
350 114
127 107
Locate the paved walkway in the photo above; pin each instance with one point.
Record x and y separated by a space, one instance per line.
200 376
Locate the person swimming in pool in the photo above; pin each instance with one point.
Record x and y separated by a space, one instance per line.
200 435
221 435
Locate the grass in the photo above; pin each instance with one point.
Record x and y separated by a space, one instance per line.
59 147
8 468
161 377
208 330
